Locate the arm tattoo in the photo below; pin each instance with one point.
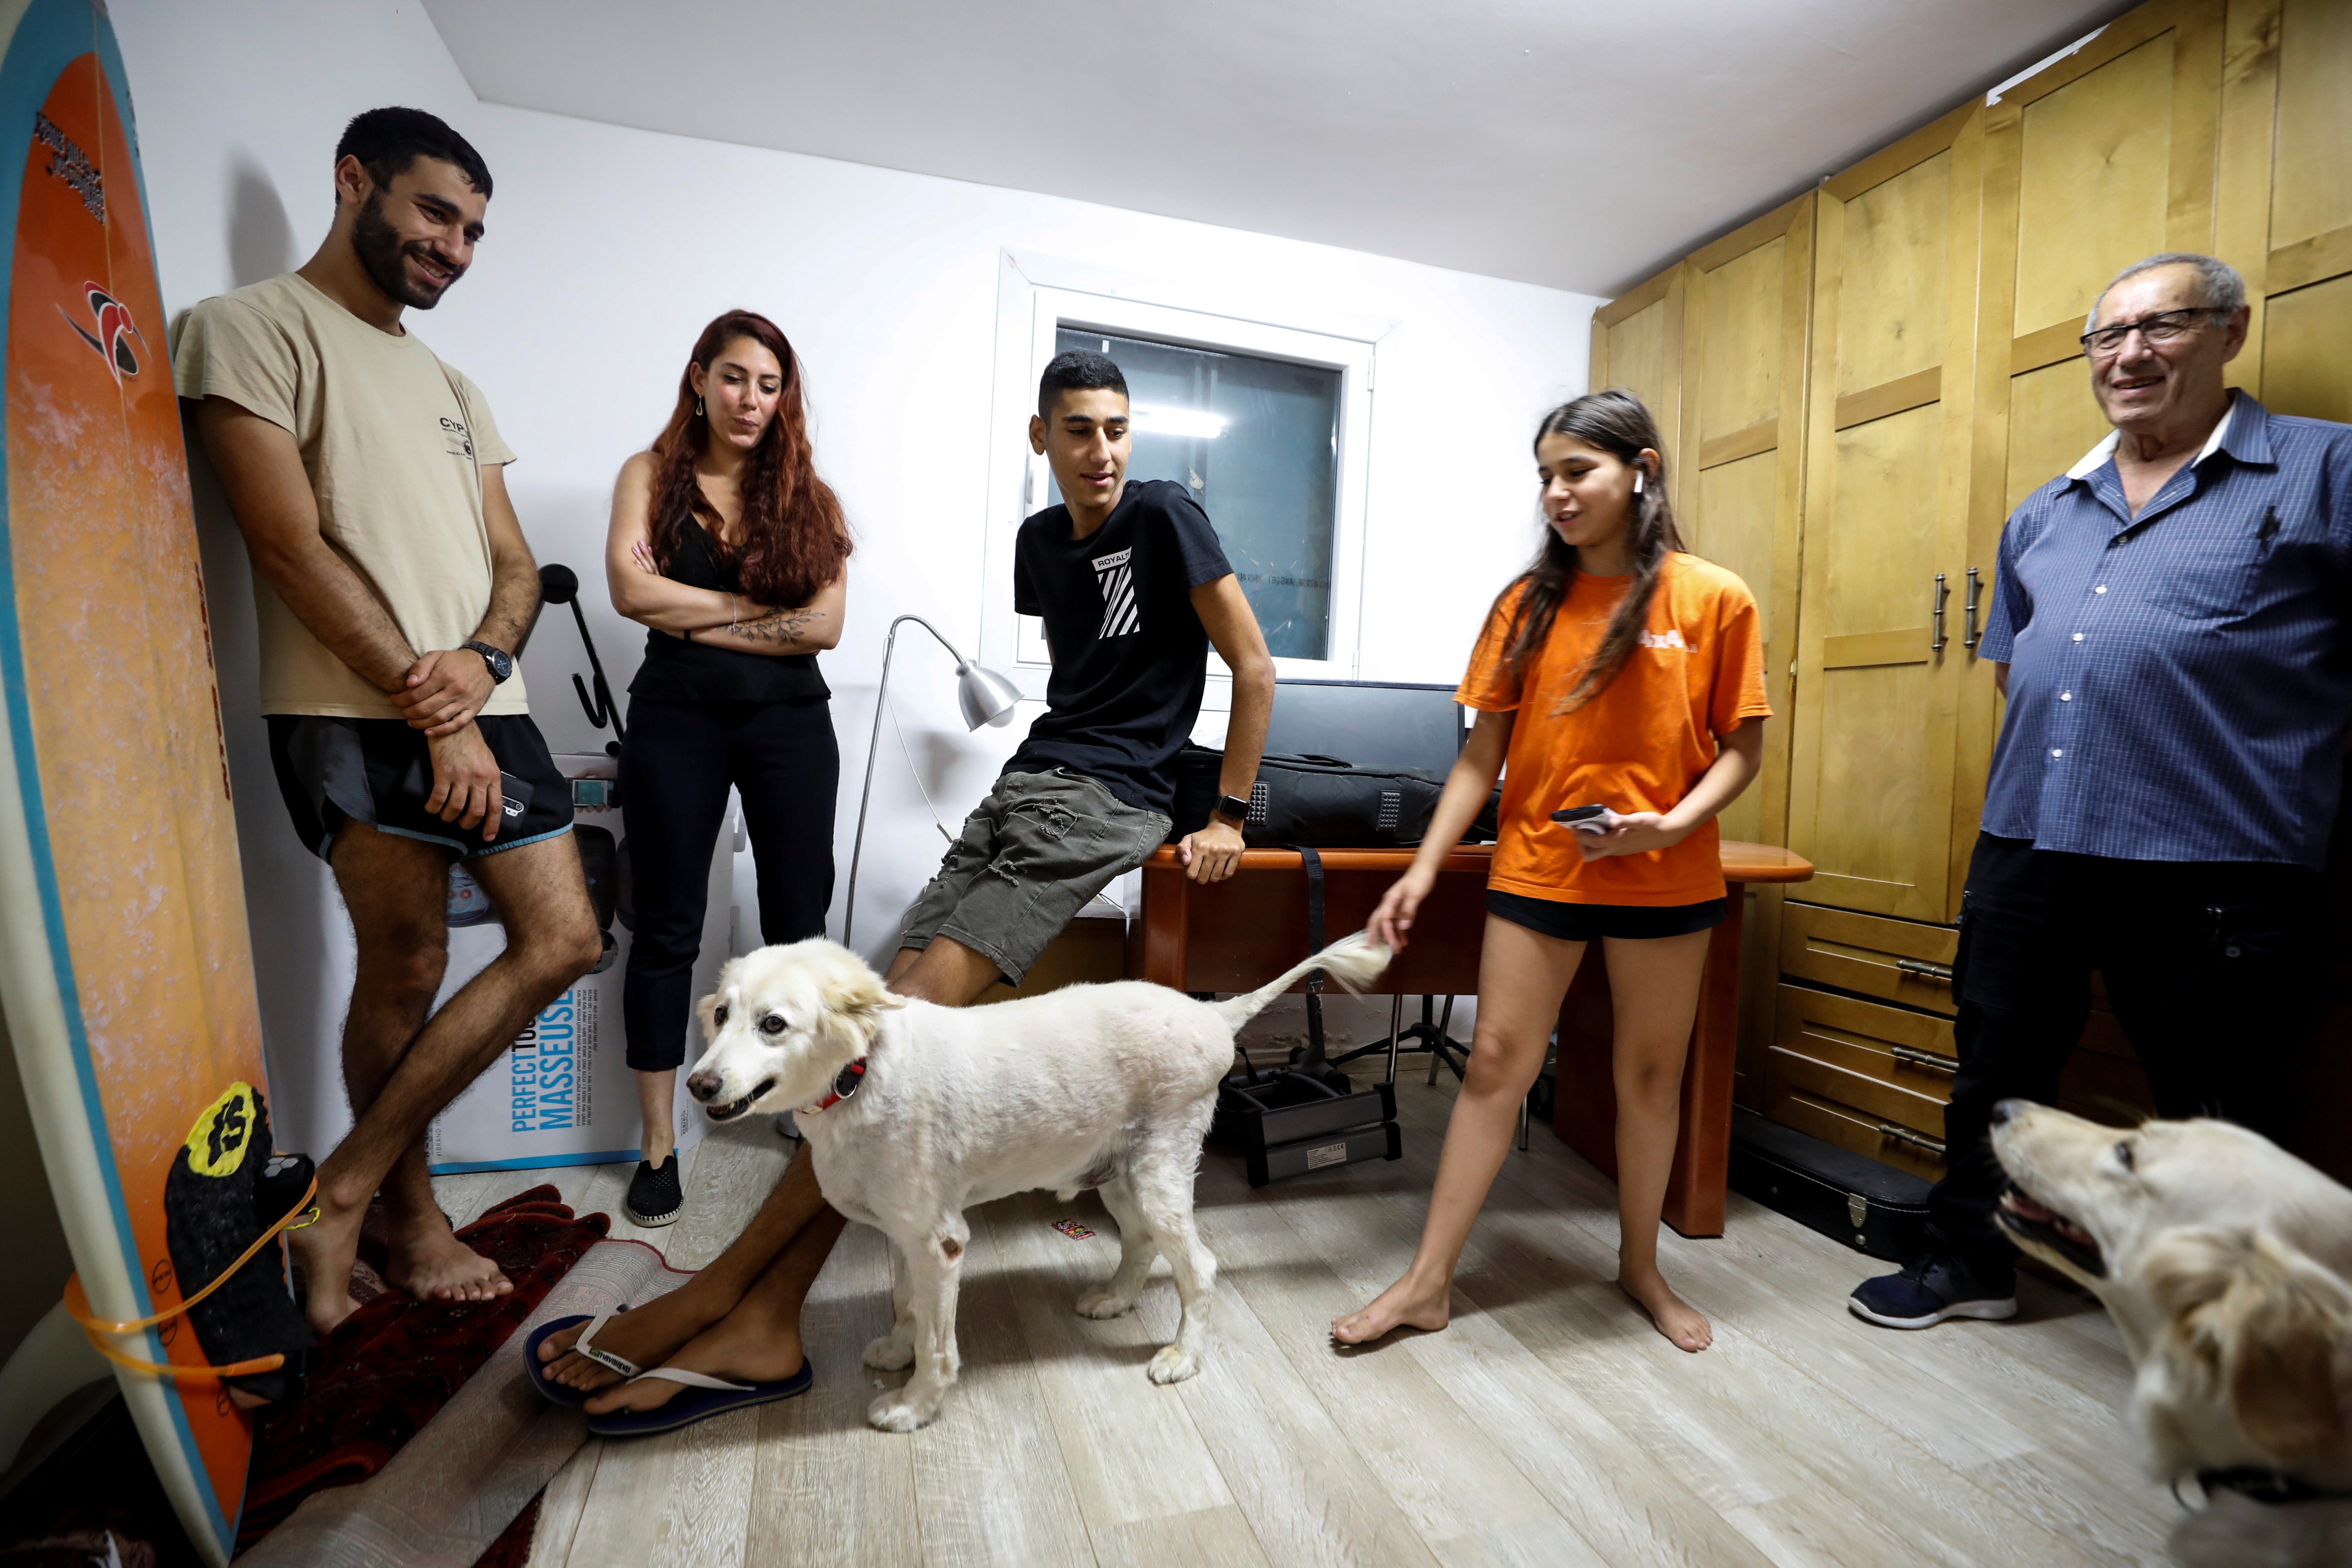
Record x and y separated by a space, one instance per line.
776 626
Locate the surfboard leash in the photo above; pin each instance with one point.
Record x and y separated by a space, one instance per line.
303 1214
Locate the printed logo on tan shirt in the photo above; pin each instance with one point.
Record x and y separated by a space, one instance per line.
456 440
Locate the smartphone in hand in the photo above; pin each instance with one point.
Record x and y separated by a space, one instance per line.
1596 820
514 795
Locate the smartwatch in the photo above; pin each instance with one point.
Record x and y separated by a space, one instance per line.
1234 809
501 662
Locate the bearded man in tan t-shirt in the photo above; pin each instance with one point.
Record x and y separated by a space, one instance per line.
393 586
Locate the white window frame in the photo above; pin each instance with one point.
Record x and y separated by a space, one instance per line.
1035 300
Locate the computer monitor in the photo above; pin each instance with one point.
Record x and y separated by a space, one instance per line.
1367 723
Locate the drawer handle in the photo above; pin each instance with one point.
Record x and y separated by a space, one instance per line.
1905 1135
1925 969
1924 1059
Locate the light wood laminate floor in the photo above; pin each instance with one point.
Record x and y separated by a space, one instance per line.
1548 1425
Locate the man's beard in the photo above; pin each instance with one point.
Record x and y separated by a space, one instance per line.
380 251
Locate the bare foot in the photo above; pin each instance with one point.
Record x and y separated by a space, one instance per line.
647 1335
743 1347
324 1251
1676 1319
1407 1302
432 1264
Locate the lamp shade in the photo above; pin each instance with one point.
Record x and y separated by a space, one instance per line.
986 697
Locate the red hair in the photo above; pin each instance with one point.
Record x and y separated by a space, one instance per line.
794 539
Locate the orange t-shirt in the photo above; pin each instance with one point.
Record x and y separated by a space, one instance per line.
1639 745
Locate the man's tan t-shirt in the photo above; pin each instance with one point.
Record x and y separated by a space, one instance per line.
394 441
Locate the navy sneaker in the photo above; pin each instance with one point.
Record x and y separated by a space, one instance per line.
654 1195
1935 1287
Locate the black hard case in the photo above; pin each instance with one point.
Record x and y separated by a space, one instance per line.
1868 1205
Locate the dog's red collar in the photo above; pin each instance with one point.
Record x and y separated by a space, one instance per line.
846 1085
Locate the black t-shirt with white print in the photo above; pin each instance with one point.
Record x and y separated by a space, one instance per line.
1130 655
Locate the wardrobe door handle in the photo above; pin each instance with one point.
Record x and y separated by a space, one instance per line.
1969 638
1905 1135
1918 1059
1937 640
1925 969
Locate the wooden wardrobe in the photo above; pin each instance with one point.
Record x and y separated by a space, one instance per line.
1858 387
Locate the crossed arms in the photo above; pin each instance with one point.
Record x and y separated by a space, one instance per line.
641 593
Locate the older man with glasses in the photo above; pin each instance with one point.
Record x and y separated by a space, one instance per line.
2168 627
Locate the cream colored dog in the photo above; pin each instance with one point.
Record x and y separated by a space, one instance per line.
914 1112
2227 1265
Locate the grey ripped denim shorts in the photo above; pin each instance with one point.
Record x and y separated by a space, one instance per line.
1029 858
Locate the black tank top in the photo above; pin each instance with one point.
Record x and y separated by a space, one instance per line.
675 670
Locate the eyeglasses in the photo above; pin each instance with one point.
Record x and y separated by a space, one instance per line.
2161 328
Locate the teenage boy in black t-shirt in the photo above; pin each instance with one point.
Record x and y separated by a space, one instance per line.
1134 590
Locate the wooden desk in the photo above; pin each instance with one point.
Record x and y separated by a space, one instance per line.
1237 934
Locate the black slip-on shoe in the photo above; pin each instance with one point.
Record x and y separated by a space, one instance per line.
654 1197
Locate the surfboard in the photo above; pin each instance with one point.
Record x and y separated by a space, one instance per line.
126 973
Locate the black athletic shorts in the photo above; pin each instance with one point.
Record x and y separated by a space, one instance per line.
1591 923
377 771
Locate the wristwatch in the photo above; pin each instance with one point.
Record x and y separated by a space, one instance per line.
1234 809
501 662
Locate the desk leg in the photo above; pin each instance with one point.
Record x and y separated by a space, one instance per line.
1165 919
1585 1097
1695 1193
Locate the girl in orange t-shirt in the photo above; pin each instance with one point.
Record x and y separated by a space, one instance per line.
1617 671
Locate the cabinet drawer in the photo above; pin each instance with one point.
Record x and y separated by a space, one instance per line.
1849 1128
1867 1094
1901 960
1876 1065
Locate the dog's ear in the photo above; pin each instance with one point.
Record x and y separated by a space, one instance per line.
855 998
2283 1379
708 1007
2265 1324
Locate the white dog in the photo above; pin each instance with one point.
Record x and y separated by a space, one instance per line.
913 1112
2227 1265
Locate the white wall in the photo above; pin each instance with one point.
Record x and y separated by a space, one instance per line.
608 248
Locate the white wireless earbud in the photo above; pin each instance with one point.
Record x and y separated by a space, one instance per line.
1637 481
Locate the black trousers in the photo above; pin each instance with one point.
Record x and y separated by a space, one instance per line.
676 767
2213 968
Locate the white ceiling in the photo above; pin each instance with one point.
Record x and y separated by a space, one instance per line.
1578 143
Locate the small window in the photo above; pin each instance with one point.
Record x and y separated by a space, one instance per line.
1266 424
1256 441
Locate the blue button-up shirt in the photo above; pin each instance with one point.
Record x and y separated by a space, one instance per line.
2179 683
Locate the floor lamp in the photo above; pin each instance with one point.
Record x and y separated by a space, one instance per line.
985 697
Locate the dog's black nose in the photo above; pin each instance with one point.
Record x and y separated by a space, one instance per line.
2004 1110
703 1086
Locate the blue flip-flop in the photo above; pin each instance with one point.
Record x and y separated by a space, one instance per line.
555 1393
703 1397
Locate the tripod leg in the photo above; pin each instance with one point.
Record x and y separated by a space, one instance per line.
1396 1027
1523 1126
1438 1044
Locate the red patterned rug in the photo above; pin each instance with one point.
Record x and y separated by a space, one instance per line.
391 1365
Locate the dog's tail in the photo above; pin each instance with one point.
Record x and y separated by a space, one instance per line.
1354 961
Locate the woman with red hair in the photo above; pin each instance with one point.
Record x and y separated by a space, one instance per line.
733 553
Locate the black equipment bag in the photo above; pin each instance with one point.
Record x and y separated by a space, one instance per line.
1852 1198
1309 1115
1311 800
